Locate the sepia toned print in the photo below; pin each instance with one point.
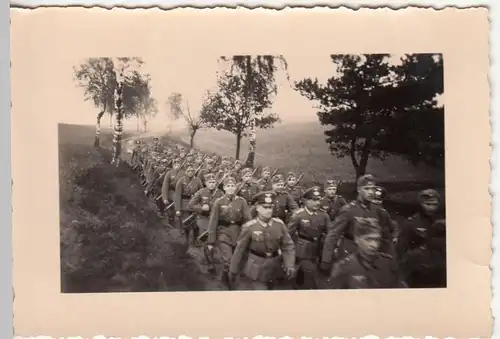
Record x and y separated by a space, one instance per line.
319 239
186 214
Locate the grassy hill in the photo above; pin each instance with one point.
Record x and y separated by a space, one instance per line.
110 237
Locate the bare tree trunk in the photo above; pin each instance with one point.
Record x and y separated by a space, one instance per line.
191 141
360 167
98 127
238 146
250 162
110 120
137 123
118 130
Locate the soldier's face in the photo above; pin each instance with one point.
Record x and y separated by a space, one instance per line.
237 166
265 211
278 186
331 191
430 206
230 188
247 177
182 155
291 181
189 172
266 174
312 204
211 184
176 166
367 192
369 243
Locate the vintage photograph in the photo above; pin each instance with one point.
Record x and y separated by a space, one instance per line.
261 175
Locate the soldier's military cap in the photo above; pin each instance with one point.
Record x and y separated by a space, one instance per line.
155 139
137 141
246 171
209 177
164 160
239 162
229 180
427 195
209 161
291 175
313 193
277 179
189 167
366 180
331 183
264 198
266 169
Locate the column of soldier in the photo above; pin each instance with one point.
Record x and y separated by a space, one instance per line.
268 232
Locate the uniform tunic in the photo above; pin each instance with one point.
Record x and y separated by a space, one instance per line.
257 253
296 192
332 206
184 191
248 190
422 251
307 230
341 233
168 187
200 198
359 272
224 226
265 184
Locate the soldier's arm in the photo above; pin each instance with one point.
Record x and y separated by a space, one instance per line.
337 228
195 202
178 195
164 186
213 222
287 248
292 205
293 224
247 216
240 250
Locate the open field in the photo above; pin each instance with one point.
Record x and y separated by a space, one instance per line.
111 239
302 147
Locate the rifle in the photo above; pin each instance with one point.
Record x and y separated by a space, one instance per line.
299 179
201 165
274 173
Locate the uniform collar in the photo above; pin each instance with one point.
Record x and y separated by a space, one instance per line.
309 212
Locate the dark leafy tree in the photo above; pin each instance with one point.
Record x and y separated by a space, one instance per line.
243 96
377 108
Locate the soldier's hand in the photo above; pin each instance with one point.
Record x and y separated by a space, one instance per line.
165 202
205 207
289 272
177 213
210 247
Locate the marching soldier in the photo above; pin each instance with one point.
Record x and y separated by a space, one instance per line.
248 188
228 214
284 202
339 241
264 248
265 180
169 182
209 167
293 188
368 266
331 203
202 202
422 244
307 226
135 160
185 188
